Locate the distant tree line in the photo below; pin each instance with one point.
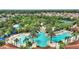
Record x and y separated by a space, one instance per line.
37 11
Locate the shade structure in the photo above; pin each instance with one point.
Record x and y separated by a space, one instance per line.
61 37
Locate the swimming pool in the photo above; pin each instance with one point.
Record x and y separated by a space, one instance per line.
42 40
22 39
2 38
61 37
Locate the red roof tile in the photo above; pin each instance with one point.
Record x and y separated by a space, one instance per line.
8 46
73 45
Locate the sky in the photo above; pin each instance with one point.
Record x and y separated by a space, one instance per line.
39 4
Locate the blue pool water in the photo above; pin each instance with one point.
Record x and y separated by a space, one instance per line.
42 40
61 37
2 39
22 39
66 21
16 26
41 34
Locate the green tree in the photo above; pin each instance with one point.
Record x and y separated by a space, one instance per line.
2 42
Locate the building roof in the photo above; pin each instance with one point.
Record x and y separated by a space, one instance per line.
76 46
8 46
76 42
73 45
75 28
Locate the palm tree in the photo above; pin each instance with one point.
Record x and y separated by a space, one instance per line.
66 38
28 43
1 32
2 42
16 40
75 34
